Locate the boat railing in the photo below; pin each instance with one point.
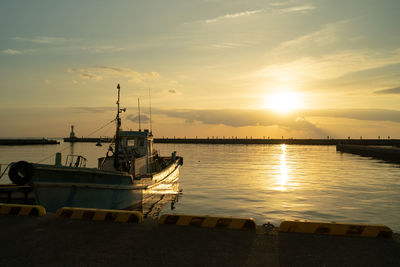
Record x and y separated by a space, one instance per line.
75 161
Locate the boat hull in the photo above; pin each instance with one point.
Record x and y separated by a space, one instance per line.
55 187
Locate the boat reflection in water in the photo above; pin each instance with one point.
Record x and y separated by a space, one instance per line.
157 199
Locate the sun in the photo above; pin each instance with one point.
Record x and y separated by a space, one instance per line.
283 101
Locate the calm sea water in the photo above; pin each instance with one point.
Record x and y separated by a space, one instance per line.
267 182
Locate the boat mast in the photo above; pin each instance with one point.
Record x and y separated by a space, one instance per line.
118 120
138 103
151 128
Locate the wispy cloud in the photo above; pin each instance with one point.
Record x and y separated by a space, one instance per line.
98 48
225 45
86 74
278 4
358 114
93 109
45 40
395 90
330 66
318 56
97 73
325 36
12 52
293 9
135 118
71 44
234 16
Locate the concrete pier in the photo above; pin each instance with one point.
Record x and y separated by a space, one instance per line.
21 142
48 241
87 140
386 153
249 141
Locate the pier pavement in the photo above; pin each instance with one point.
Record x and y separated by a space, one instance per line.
51 241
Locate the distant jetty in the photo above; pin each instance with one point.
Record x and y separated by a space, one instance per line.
250 141
385 153
88 140
22 142
72 138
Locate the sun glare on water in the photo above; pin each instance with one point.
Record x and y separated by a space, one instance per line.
283 101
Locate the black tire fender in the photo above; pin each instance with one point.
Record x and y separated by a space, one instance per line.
21 172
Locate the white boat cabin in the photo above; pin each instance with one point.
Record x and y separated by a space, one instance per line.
135 153
138 143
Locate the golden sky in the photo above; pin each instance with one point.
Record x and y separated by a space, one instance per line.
300 69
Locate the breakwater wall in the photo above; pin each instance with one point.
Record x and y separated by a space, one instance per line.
88 140
385 153
329 142
21 142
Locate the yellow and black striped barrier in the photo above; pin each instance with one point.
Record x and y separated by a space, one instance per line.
126 216
20 209
208 221
345 229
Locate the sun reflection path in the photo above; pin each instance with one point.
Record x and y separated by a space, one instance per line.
284 171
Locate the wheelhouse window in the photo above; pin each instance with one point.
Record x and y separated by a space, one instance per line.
131 142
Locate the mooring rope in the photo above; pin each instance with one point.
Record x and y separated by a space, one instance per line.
101 127
4 169
65 145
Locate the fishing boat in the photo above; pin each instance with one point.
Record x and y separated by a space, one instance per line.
131 172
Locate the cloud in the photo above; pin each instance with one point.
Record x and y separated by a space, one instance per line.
395 90
330 66
296 121
93 109
228 45
318 56
86 74
48 81
278 4
12 52
99 48
234 16
143 118
293 9
71 44
97 73
325 36
357 114
45 40
244 118
171 91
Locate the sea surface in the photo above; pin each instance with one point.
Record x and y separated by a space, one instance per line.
267 182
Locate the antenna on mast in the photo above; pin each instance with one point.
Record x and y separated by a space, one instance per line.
118 120
151 127
138 102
